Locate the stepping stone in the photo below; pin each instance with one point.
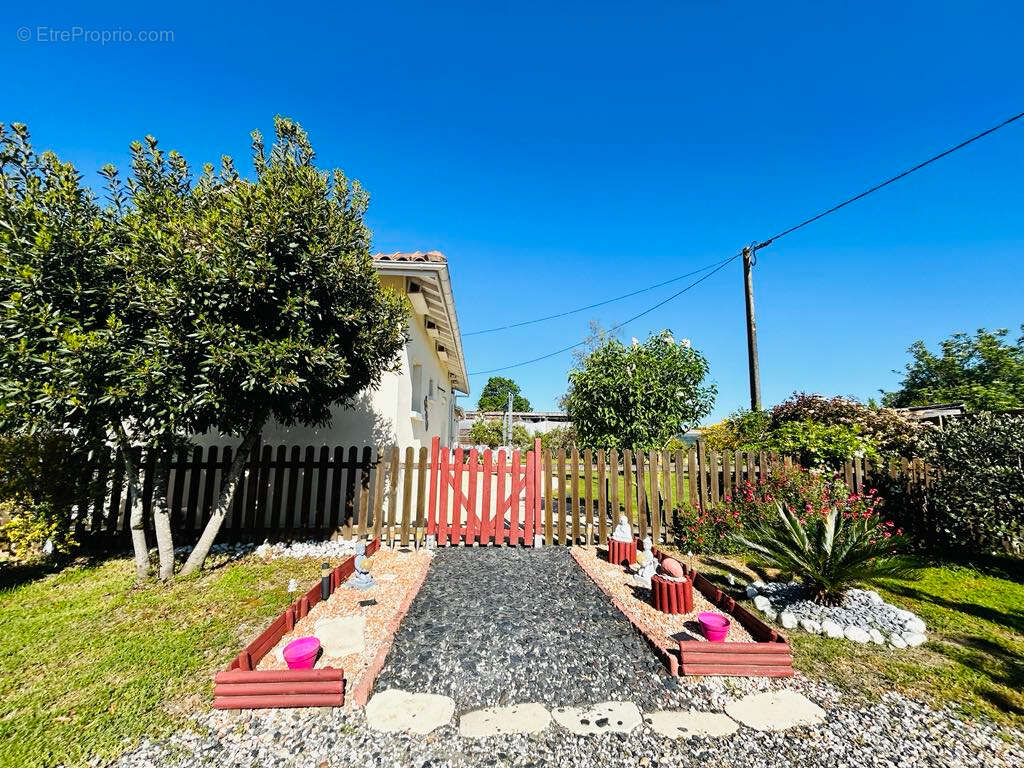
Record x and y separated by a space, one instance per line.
775 711
495 721
686 725
606 717
341 636
394 711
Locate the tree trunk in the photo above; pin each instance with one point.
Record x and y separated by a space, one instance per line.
227 494
136 521
162 522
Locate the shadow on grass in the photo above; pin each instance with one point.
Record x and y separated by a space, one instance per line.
1012 620
1000 667
16 574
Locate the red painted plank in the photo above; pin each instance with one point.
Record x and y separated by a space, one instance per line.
279 701
517 486
280 676
458 500
531 488
486 519
501 506
749 659
295 687
435 450
442 504
735 670
471 521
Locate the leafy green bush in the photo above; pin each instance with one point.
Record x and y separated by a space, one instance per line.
488 432
563 438
819 445
26 527
977 501
830 552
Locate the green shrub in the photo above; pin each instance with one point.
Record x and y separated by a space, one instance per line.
489 433
977 501
563 438
818 445
828 552
26 527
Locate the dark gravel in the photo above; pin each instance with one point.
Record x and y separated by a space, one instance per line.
492 627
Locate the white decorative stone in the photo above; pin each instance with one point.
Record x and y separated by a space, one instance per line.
857 634
914 639
810 625
606 717
903 615
876 637
873 597
751 590
770 615
775 711
831 628
686 725
914 625
496 721
788 620
762 603
293 585
394 711
431 542
538 541
897 642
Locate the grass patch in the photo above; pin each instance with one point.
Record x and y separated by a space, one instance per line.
90 663
974 657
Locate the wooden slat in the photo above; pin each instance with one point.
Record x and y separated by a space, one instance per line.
726 474
499 507
210 485
588 496
665 518
602 497
442 497
343 476
456 529
848 473
387 532
574 504
691 476
422 469
306 519
407 495
320 509
680 495
653 498
627 486
517 487
380 475
641 495
716 496
613 489
175 502
263 512
548 508
253 484
561 497
365 475
118 491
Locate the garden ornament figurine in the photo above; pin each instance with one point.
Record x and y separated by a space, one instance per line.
361 579
648 567
622 531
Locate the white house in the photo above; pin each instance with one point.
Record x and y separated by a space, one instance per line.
416 402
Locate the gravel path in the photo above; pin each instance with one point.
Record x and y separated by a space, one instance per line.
493 627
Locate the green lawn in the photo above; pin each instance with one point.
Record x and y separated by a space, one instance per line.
975 654
89 663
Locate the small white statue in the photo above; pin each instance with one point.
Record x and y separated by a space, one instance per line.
622 531
649 567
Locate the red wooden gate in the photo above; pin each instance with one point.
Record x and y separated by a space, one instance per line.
475 498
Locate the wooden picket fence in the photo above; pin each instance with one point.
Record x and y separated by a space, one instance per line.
459 496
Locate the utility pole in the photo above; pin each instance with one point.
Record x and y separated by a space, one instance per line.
748 288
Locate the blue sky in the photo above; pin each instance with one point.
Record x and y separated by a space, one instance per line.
563 156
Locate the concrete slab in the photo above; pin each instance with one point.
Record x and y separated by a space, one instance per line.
686 725
606 717
342 635
499 721
394 711
775 711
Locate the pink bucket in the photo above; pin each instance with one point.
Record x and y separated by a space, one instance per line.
301 653
714 626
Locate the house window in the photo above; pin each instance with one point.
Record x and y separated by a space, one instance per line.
417 388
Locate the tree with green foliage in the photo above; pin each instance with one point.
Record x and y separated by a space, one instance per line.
208 306
494 396
637 396
984 372
489 432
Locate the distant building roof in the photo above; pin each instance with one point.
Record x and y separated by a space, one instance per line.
435 257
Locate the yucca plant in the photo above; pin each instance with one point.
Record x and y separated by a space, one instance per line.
828 552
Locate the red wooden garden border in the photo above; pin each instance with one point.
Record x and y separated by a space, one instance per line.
242 686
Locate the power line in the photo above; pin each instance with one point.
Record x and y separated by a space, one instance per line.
889 181
754 248
591 306
720 265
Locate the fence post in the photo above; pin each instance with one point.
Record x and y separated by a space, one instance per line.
435 450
